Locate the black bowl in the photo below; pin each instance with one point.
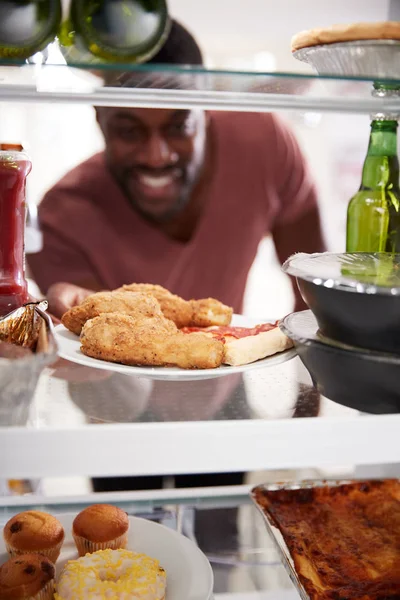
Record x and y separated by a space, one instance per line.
350 298
367 321
360 379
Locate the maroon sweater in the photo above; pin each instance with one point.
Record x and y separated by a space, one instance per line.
260 183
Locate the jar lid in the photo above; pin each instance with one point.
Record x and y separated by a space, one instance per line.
12 147
375 273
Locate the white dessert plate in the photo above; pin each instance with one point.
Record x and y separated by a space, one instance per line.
69 348
189 574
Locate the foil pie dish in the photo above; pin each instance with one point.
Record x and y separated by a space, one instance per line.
371 59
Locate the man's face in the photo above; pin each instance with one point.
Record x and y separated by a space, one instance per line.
155 155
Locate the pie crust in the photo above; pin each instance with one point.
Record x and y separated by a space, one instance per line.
385 30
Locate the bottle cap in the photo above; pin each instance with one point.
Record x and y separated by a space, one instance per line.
385 116
381 90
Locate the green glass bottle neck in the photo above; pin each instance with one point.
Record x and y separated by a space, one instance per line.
383 139
381 166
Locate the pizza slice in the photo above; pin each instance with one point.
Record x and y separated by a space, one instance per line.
244 345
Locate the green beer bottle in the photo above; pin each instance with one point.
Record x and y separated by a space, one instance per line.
27 26
373 214
115 31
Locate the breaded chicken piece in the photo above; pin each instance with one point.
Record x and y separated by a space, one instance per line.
208 312
152 341
185 313
128 303
173 307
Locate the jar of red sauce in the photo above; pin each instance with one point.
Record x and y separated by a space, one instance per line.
14 168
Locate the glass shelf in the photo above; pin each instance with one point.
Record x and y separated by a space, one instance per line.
271 418
186 87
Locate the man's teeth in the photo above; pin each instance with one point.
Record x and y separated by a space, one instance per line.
156 182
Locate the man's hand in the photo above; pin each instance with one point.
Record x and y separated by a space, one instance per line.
63 296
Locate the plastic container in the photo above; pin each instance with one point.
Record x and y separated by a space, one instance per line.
27 346
361 379
354 297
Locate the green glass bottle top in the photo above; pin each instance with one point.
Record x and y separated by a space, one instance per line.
373 215
115 31
27 26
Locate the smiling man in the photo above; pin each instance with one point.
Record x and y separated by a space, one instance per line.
156 156
181 198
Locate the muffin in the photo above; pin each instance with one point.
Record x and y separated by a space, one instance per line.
27 577
100 526
34 531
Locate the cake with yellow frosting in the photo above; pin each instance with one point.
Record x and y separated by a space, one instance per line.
112 575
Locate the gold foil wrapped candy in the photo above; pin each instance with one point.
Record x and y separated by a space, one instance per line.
23 326
27 346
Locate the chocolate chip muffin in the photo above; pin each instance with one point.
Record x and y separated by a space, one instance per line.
34 531
27 577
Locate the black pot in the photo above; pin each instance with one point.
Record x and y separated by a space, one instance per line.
365 320
352 309
360 379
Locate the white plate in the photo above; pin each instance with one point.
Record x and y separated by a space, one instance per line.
69 348
189 574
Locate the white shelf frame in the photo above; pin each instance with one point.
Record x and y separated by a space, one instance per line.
207 100
207 497
198 447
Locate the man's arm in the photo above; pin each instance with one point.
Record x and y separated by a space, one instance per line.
62 273
60 260
297 225
302 235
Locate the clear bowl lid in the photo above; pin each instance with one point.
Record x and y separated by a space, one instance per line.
13 156
361 272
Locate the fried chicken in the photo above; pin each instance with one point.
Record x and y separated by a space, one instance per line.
128 303
173 307
185 313
208 312
150 341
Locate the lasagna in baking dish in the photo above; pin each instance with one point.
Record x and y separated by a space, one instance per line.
344 540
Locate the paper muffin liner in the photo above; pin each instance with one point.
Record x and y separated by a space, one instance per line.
47 593
85 546
50 553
